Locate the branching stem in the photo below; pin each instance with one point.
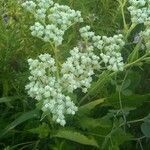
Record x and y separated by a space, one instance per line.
56 51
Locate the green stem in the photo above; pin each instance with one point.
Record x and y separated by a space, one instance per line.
123 17
120 101
140 138
135 121
122 5
56 51
130 30
127 31
136 61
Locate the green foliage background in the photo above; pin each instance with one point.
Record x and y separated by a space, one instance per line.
100 122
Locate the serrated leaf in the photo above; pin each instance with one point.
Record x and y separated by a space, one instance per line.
120 136
145 128
127 92
117 138
126 84
90 123
42 130
24 117
76 137
89 106
135 79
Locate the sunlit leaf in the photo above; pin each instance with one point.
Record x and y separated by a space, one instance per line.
76 137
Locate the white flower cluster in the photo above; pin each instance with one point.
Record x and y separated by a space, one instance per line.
29 5
103 43
146 36
52 20
40 14
114 43
39 6
109 46
113 61
138 3
86 33
54 33
37 30
45 88
63 16
139 10
47 33
77 71
140 13
44 4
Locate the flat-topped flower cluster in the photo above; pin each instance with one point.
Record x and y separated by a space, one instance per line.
109 48
140 13
48 90
52 19
139 10
78 69
51 83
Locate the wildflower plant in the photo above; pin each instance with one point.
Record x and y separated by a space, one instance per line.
46 84
88 74
51 83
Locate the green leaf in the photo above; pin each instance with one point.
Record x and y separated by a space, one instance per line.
120 136
135 53
7 148
125 111
43 130
117 138
126 84
147 118
89 106
90 123
133 56
133 100
135 79
26 116
8 99
147 60
127 92
76 137
145 128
